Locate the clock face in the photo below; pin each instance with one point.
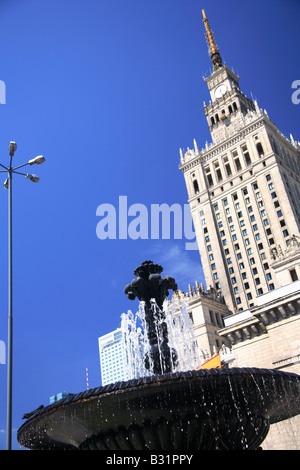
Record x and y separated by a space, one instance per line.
220 91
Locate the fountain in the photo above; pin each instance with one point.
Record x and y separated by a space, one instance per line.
167 409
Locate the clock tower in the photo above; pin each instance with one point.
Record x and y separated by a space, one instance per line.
244 193
228 104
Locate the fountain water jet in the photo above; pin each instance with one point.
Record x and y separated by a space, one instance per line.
190 410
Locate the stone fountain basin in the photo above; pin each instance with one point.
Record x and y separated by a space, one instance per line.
205 409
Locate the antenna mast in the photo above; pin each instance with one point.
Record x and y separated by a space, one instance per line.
87 377
213 49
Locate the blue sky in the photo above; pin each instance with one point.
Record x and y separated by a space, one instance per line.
108 91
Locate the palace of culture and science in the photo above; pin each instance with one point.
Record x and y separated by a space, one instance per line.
244 195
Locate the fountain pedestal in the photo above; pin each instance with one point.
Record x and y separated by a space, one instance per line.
194 410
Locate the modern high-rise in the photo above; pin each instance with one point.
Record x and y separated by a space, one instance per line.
112 357
243 190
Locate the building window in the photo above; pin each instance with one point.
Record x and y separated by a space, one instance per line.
246 155
279 213
271 186
218 171
209 177
285 233
293 275
227 167
196 187
260 150
268 177
237 163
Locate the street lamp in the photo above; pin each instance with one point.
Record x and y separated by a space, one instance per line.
8 185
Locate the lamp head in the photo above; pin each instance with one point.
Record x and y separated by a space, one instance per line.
33 178
12 148
38 160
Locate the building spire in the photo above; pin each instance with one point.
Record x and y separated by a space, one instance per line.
213 49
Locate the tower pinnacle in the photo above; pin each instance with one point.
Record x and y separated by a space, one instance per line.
213 49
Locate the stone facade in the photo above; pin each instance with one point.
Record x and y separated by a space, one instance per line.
244 195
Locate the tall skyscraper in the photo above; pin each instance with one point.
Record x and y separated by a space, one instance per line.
112 357
243 190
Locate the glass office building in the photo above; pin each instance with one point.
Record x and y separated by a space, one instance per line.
112 362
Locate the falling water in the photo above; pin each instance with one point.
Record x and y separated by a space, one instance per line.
180 334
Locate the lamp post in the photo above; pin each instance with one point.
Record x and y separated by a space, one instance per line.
8 185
